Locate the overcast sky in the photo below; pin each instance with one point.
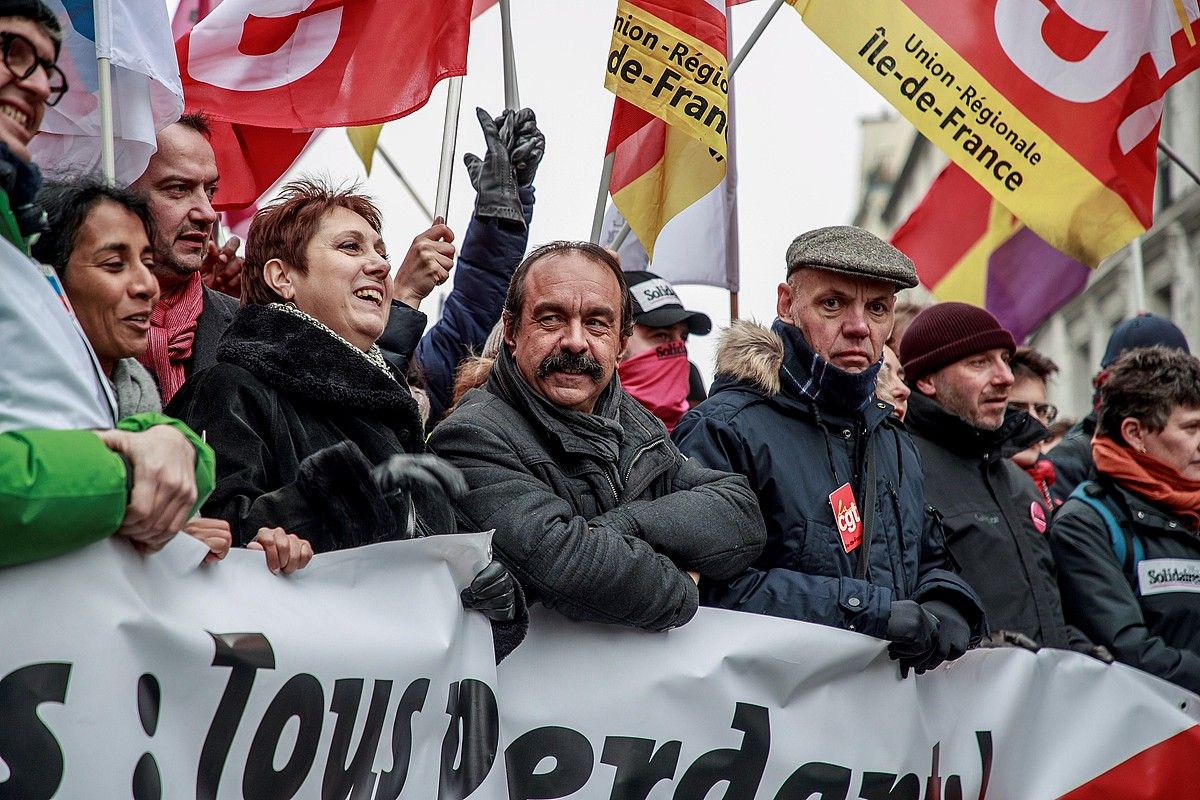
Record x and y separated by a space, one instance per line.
798 138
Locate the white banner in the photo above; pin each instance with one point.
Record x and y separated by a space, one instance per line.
739 706
362 677
356 676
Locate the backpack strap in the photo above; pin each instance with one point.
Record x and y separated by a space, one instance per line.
1127 546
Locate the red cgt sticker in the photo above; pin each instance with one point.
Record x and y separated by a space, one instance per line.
845 511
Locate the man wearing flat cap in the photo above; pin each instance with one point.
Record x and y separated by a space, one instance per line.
850 541
955 357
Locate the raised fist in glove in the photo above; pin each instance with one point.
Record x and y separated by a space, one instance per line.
419 487
526 143
953 634
913 633
493 176
493 593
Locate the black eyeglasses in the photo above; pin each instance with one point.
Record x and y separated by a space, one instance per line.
1045 412
22 61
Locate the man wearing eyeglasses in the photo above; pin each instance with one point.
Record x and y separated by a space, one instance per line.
1031 372
956 359
70 474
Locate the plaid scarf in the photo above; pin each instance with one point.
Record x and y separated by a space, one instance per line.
813 377
172 334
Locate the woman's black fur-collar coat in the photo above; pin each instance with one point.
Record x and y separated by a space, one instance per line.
297 420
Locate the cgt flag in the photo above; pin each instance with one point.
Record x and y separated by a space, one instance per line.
1052 107
668 134
276 71
968 247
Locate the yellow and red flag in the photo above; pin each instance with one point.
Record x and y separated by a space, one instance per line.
670 118
1053 106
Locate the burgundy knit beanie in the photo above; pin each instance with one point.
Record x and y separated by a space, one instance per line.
947 332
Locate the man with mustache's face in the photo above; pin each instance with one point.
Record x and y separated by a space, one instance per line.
594 509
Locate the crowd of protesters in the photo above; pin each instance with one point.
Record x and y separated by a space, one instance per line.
862 463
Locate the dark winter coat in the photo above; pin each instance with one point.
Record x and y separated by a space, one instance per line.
596 517
1148 618
1072 458
215 316
990 511
297 421
795 453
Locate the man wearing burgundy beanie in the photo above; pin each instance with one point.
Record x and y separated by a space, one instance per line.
955 357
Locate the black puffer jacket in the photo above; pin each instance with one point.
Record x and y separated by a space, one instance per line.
992 513
795 453
596 514
1149 617
297 421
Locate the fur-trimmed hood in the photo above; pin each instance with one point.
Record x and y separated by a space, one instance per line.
749 353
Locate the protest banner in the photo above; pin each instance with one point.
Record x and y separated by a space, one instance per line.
667 139
968 247
360 675
765 708
1053 108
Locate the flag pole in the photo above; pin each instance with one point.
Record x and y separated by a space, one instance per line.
441 203
602 197
103 21
1170 153
512 98
738 58
1137 277
733 306
408 187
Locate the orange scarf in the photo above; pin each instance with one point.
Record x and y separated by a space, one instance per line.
1145 475
172 334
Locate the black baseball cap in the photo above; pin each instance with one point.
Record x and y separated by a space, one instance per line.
656 305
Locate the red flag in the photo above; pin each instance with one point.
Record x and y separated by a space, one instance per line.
188 13
335 64
480 6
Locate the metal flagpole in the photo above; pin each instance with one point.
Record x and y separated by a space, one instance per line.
1137 277
1170 153
441 203
408 187
755 35
512 98
602 197
103 21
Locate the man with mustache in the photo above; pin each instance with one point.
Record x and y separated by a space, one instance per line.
595 510
955 358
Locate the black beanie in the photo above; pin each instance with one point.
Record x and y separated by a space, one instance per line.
947 332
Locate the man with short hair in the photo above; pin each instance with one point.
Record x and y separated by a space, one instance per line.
1072 457
595 510
70 474
654 366
1031 373
956 358
850 542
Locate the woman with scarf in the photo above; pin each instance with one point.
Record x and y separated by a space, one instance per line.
1128 543
314 431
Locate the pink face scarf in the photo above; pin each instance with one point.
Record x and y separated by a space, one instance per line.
172 334
658 379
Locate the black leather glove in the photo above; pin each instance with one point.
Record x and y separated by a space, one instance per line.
913 633
953 634
1010 639
22 180
421 484
493 176
493 593
526 143
1096 651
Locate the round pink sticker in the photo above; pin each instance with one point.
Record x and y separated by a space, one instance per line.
1038 515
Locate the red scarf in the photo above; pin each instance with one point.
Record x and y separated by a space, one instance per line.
658 379
172 334
1145 475
1043 476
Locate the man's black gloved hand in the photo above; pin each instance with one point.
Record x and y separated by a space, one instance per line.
493 176
953 634
493 593
22 180
913 633
526 143
1096 651
422 483
1010 639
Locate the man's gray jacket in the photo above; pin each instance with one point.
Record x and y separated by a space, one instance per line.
597 515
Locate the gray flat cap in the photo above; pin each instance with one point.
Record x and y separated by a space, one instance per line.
851 251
